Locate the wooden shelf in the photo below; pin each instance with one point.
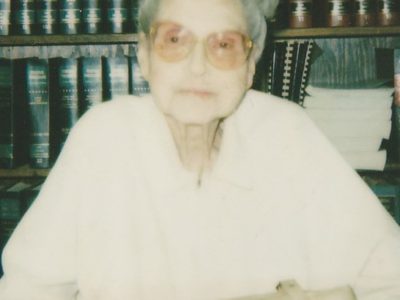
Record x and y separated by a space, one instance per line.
23 172
324 32
126 38
73 39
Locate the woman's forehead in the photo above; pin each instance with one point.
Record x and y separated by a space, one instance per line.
203 16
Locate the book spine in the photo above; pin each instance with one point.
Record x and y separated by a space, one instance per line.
67 100
116 77
7 118
5 17
277 68
388 12
138 86
300 13
23 16
117 16
300 71
91 16
46 16
90 82
9 216
11 209
37 91
69 16
396 101
29 195
365 13
133 15
288 63
339 13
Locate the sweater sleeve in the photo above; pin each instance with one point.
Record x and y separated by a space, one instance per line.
40 258
380 276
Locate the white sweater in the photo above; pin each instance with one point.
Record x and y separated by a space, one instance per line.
119 218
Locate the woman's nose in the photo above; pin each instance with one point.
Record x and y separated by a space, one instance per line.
198 59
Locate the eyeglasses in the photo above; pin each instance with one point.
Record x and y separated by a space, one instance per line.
224 50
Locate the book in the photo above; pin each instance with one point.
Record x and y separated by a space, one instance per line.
137 84
90 82
37 98
23 16
299 70
46 16
133 13
289 69
338 13
276 71
30 194
117 16
389 196
365 12
300 13
65 99
116 76
69 16
91 16
386 187
12 118
4 184
396 102
5 17
388 12
11 209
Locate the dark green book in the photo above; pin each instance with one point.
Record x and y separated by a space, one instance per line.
37 97
133 12
30 194
91 16
69 16
90 82
396 102
116 16
12 208
4 185
66 99
12 118
116 76
46 17
137 84
23 16
5 17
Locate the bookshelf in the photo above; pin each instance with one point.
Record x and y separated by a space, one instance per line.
337 32
59 40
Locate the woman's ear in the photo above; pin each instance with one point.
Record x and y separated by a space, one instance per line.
143 55
251 69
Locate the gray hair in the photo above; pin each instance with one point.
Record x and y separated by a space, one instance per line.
256 11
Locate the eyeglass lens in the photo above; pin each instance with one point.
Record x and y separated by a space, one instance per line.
224 50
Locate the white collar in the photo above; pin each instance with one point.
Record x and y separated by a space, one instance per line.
161 162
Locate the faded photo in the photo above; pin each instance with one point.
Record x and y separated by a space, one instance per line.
204 188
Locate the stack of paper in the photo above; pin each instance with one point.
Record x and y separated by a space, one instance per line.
355 121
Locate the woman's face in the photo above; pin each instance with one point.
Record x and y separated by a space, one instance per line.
192 78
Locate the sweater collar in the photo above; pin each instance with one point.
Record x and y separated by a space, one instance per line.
163 168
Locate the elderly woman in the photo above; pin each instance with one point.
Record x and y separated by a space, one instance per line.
204 189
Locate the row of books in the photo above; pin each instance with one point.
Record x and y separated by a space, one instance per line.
41 100
288 68
16 196
335 13
21 17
